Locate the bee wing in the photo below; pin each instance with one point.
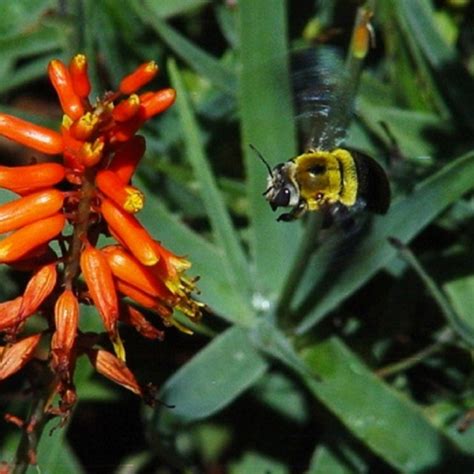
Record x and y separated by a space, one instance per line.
322 98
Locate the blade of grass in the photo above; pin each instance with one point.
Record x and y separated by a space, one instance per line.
169 8
267 123
223 230
217 375
442 58
389 424
199 60
407 217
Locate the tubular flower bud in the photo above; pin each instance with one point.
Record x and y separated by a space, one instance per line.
101 286
62 82
138 78
143 299
114 369
129 198
127 157
66 318
79 77
126 109
157 103
84 126
14 357
31 135
131 232
29 209
134 318
22 179
22 241
38 289
128 269
363 35
10 313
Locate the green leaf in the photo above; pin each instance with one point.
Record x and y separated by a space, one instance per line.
20 15
54 453
215 377
442 58
392 426
461 294
267 123
169 8
325 461
199 60
406 218
257 463
223 230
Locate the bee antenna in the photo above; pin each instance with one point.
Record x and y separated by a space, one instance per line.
264 161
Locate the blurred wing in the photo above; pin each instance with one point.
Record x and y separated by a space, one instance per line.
322 97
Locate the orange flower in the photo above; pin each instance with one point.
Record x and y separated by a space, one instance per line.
66 318
14 357
100 152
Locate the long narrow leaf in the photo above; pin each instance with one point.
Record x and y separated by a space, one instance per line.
218 374
202 62
224 232
267 123
392 426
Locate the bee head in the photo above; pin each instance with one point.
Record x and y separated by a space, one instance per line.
281 188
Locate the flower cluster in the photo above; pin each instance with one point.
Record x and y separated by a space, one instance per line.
72 203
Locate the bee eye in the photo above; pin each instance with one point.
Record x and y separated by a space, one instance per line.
282 198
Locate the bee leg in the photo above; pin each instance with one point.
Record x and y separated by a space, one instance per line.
295 213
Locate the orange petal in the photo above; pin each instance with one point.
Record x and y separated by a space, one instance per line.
66 318
10 313
29 209
79 76
126 109
132 316
22 241
157 103
127 157
84 126
101 286
30 178
62 82
31 135
138 78
38 289
14 357
170 267
114 369
126 268
131 232
143 299
129 198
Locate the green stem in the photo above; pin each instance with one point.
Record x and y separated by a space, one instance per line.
34 426
446 336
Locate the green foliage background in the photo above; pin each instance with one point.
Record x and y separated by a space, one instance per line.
368 367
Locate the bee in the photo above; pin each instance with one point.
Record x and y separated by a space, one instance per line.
326 177
320 180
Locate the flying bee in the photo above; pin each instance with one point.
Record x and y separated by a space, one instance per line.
326 177
320 180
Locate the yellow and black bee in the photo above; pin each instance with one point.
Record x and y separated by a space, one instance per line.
320 180
326 177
